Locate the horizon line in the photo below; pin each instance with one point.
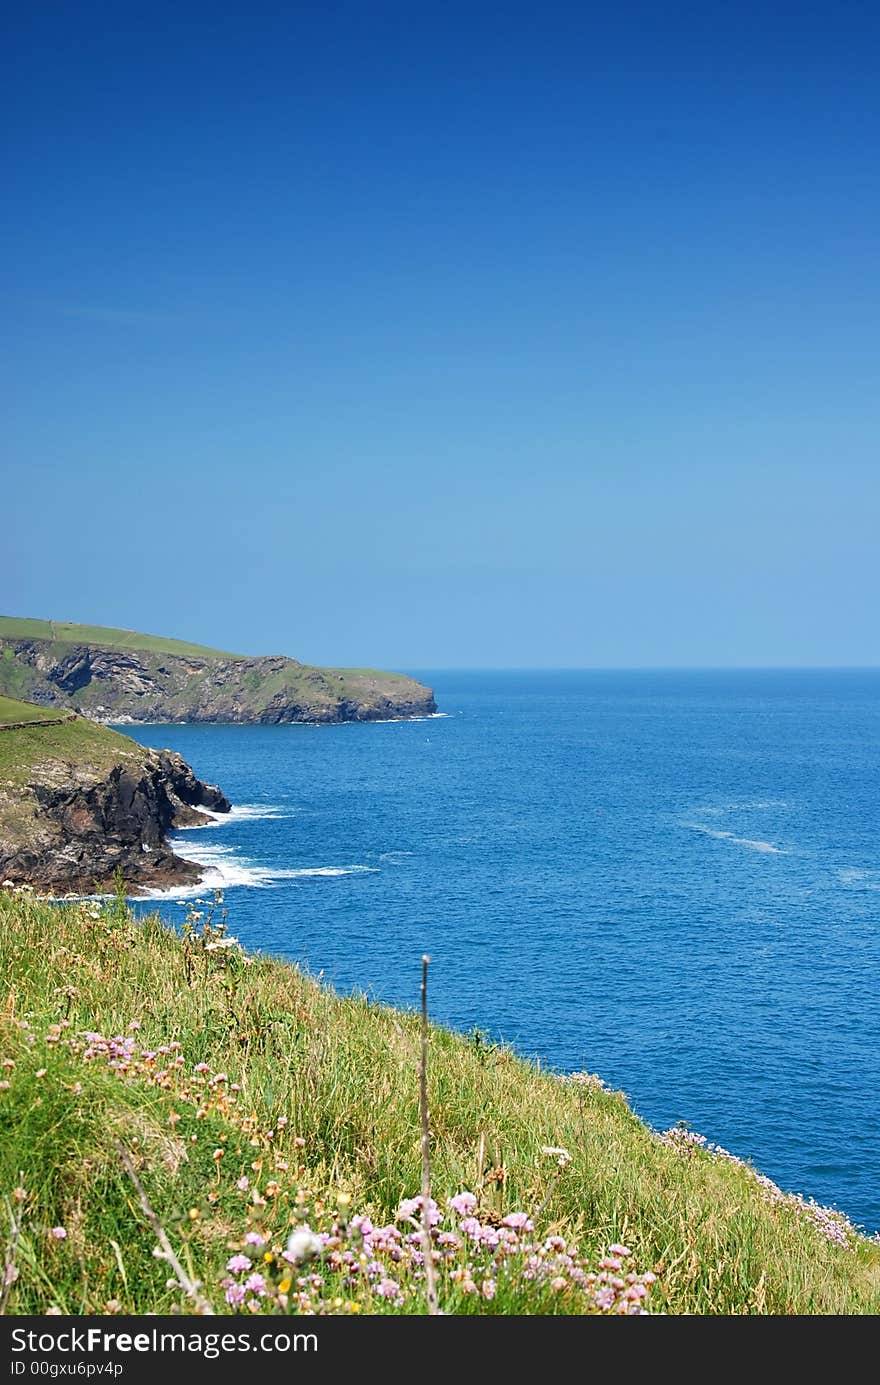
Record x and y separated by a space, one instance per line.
644 668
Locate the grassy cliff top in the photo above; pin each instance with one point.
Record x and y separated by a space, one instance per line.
71 739
19 628
68 740
71 750
119 675
66 632
252 1100
12 712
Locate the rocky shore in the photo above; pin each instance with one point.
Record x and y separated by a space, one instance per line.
80 803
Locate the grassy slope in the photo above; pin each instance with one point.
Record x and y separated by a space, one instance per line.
65 632
368 675
45 753
16 679
12 711
344 1074
79 742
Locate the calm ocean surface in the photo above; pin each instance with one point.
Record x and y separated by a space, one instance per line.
671 879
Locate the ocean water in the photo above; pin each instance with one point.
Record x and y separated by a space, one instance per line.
670 879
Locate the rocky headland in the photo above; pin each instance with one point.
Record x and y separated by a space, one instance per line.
80 804
120 676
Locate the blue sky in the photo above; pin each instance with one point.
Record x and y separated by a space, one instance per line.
460 335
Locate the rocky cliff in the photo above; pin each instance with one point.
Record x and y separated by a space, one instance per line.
79 802
119 676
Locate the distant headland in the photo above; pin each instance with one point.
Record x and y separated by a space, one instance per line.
122 676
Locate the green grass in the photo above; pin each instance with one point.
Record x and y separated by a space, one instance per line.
11 711
304 682
65 632
45 754
76 741
295 675
15 677
326 1116
70 748
391 679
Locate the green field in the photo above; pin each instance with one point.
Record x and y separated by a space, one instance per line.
65 632
250 1100
13 711
17 628
70 740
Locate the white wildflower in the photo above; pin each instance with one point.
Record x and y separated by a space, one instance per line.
303 1244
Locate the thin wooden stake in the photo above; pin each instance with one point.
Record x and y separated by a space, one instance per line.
189 1286
9 1270
427 1244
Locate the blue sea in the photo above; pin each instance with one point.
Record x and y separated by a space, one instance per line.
670 879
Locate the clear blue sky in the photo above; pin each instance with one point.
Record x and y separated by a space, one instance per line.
446 335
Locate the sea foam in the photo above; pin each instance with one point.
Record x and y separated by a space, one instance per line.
396 721
855 879
239 812
225 869
749 842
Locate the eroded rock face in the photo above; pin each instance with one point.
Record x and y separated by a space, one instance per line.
185 789
83 832
83 665
124 685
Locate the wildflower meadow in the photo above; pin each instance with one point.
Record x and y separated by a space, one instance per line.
185 1127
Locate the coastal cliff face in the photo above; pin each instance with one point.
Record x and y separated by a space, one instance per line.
79 802
153 680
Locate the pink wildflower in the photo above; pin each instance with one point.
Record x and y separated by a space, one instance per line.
411 1207
519 1221
463 1204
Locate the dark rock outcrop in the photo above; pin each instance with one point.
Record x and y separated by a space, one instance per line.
84 665
82 833
186 793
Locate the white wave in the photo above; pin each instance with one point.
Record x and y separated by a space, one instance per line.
753 805
253 811
754 845
325 870
225 869
239 812
396 721
748 842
